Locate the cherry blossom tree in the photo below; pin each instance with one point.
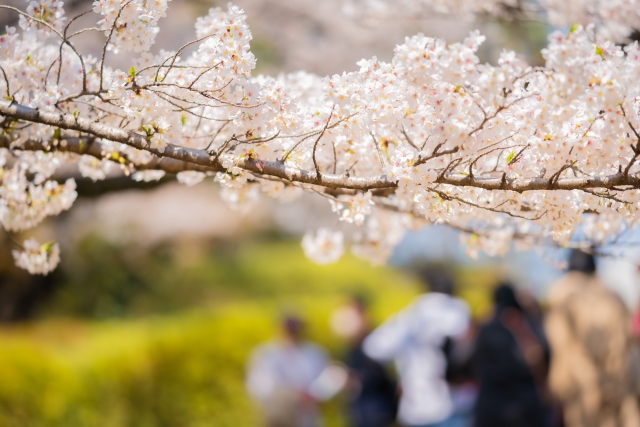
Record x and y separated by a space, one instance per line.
506 153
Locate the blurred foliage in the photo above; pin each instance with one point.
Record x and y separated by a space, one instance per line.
526 38
205 308
103 280
268 57
475 286
179 369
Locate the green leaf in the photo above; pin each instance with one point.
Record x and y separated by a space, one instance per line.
147 130
599 52
510 156
47 246
574 26
132 71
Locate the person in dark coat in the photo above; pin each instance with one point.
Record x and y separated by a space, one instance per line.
371 392
373 399
511 362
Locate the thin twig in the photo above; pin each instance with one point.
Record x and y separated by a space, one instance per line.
315 144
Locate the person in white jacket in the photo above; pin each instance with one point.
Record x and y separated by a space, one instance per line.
413 339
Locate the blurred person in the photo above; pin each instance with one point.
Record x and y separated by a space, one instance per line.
634 358
587 326
511 359
290 377
535 317
371 393
534 314
634 354
635 324
460 376
414 339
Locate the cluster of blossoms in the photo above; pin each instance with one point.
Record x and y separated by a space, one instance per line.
37 258
50 12
25 203
323 246
353 209
130 25
93 168
506 153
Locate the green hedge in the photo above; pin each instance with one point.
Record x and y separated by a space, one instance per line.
182 367
185 368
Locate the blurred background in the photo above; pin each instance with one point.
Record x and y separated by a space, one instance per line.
163 290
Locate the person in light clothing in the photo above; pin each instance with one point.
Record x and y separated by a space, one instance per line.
414 340
588 329
288 378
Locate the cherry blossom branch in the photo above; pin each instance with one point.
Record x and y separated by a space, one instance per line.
6 81
315 145
65 40
436 153
106 43
281 170
91 147
449 197
12 237
26 15
489 134
409 140
375 142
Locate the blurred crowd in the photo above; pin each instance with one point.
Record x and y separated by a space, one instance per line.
575 364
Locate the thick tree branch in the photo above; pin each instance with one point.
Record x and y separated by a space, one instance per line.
188 155
91 147
201 158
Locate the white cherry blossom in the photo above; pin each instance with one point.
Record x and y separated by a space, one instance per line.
148 175
94 168
323 246
190 178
